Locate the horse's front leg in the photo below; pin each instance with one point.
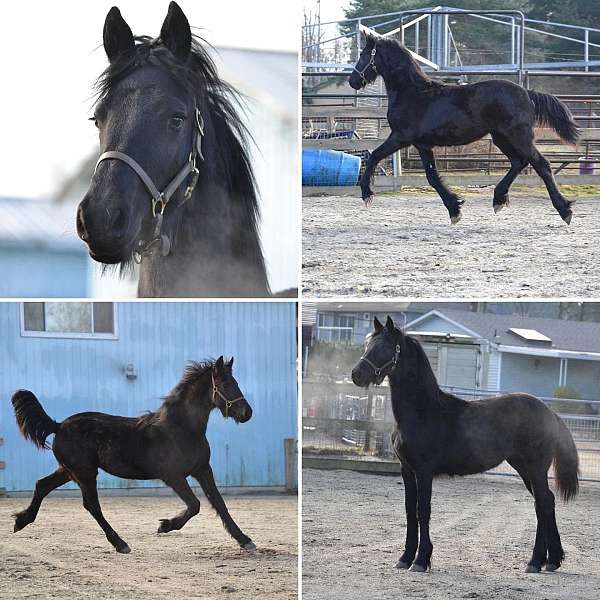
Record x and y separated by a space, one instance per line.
423 560
183 490
207 481
451 201
393 143
410 504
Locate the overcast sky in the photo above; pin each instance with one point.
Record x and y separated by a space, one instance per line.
49 62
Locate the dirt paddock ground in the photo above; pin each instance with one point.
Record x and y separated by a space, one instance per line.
405 246
482 529
64 554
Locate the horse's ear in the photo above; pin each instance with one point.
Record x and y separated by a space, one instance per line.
377 325
117 35
219 365
230 364
176 33
389 325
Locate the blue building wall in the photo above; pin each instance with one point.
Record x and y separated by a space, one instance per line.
43 273
76 375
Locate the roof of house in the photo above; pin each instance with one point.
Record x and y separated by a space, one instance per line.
34 223
578 336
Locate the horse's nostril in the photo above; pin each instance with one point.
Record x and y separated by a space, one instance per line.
80 225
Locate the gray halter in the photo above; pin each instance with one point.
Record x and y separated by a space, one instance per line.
371 63
161 199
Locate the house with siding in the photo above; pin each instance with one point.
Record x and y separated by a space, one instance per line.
122 358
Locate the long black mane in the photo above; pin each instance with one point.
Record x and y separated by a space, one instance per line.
225 143
400 67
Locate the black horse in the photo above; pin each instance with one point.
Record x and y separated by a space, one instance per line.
437 433
168 444
428 113
174 187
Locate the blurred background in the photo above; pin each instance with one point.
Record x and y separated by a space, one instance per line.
51 56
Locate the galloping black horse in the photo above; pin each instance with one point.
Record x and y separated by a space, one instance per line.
168 444
428 113
437 433
173 187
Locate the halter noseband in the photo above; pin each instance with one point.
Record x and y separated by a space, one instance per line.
218 392
371 63
161 199
379 375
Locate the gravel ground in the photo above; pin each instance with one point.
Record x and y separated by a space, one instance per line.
64 554
482 529
404 246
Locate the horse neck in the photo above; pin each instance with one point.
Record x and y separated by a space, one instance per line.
192 407
214 251
412 393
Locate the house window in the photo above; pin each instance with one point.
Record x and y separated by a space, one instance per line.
336 328
69 319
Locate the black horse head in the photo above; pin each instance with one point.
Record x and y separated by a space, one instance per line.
226 394
369 63
147 113
382 354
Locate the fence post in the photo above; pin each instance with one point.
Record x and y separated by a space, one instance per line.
290 447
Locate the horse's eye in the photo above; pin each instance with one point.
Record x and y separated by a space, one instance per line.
176 122
94 120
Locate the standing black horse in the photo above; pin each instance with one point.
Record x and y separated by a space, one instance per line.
428 113
173 187
168 444
438 433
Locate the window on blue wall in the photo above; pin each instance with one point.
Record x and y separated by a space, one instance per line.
69 319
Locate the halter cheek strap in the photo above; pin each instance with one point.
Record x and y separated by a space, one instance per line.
371 63
228 403
161 199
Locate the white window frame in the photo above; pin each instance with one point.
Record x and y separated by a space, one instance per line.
70 335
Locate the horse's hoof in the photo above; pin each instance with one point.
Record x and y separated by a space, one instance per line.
249 546
551 567
567 217
454 219
124 549
21 521
165 526
498 208
368 201
416 568
532 569
402 565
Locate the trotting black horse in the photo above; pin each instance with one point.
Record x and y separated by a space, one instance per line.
426 113
168 444
173 187
437 433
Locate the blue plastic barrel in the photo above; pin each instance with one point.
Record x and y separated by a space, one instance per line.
329 167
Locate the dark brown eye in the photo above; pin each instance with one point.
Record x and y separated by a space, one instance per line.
176 122
94 120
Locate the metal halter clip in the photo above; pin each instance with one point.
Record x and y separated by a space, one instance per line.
200 126
161 203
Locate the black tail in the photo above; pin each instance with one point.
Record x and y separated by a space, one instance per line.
566 463
33 422
549 110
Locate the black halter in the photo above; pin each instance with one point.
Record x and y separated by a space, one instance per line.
161 199
371 63
379 374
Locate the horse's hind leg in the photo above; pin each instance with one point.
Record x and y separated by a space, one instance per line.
183 490
207 481
412 525
542 168
42 488
544 507
92 505
393 143
451 201
539 556
517 164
